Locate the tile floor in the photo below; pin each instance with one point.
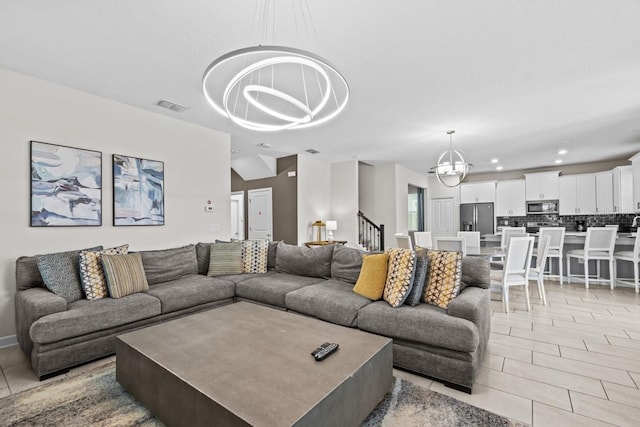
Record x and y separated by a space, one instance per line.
575 362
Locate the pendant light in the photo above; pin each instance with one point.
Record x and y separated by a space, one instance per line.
451 167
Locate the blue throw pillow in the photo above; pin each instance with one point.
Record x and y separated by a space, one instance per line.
61 273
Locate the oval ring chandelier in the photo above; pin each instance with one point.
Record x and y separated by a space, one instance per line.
451 168
272 88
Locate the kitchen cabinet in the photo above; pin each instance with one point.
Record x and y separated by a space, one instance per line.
623 189
510 200
478 192
542 185
604 192
635 165
577 194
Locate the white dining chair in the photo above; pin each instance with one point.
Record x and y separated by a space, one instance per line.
517 264
471 238
497 261
404 242
423 239
451 244
598 246
507 231
629 256
537 273
556 246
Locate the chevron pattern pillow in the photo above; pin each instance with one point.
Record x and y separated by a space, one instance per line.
400 275
92 277
445 275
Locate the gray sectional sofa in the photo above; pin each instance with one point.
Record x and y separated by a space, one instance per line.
447 345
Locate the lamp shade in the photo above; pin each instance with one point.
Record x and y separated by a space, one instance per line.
332 225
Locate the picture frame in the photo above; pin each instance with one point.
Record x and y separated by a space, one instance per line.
138 191
66 186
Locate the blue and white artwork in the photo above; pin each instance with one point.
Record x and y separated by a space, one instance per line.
138 191
66 186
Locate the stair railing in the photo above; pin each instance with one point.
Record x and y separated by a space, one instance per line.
370 235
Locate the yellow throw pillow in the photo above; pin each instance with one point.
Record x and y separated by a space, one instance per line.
400 275
445 274
373 276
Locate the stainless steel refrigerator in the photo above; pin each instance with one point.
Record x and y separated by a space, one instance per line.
477 217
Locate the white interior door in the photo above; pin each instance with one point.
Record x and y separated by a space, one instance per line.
442 217
260 214
237 215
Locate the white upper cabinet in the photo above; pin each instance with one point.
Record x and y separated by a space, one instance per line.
478 192
577 194
623 189
510 200
604 192
542 186
635 164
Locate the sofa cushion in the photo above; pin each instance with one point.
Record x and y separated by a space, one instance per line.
202 256
303 261
271 255
426 324
331 300
400 274
272 288
192 290
346 263
169 264
254 256
60 273
124 274
237 278
475 272
94 284
225 258
445 273
84 317
422 267
373 276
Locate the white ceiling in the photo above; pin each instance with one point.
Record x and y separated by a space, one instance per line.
516 79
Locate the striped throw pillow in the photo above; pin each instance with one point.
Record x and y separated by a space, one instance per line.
125 274
225 258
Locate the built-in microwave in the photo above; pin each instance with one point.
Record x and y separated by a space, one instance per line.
542 207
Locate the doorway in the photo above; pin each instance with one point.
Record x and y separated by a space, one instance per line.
442 217
415 221
237 215
260 214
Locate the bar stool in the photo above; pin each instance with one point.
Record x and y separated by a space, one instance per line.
556 244
631 256
598 246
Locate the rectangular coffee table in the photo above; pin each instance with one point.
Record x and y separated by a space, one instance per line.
244 364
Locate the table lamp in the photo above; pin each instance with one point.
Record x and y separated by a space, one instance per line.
331 227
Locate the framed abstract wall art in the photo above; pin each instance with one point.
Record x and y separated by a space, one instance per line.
138 191
66 186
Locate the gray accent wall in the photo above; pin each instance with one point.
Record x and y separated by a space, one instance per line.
285 198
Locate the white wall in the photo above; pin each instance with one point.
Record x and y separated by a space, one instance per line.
344 200
196 170
314 194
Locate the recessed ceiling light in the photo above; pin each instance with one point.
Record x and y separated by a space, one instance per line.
558 161
562 152
499 168
494 160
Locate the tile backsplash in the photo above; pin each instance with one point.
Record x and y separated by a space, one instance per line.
569 221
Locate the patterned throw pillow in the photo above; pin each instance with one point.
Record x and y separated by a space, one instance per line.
125 274
60 275
255 256
445 274
373 275
92 277
400 275
225 258
422 267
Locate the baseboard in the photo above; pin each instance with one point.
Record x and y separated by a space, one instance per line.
8 341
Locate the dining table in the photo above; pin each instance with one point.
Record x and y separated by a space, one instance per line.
485 251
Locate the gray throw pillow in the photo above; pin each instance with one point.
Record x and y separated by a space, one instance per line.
225 258
203 251
346 264
61 273
303 261
476 272
271 255
422 267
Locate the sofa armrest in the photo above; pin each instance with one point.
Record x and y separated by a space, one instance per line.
31 305
474 304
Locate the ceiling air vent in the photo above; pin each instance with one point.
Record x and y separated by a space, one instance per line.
312 151
171 106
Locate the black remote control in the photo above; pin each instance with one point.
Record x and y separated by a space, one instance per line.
325 352
322 347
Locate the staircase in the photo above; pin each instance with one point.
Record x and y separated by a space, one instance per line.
370 235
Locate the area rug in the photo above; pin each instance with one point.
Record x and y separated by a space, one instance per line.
94 398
